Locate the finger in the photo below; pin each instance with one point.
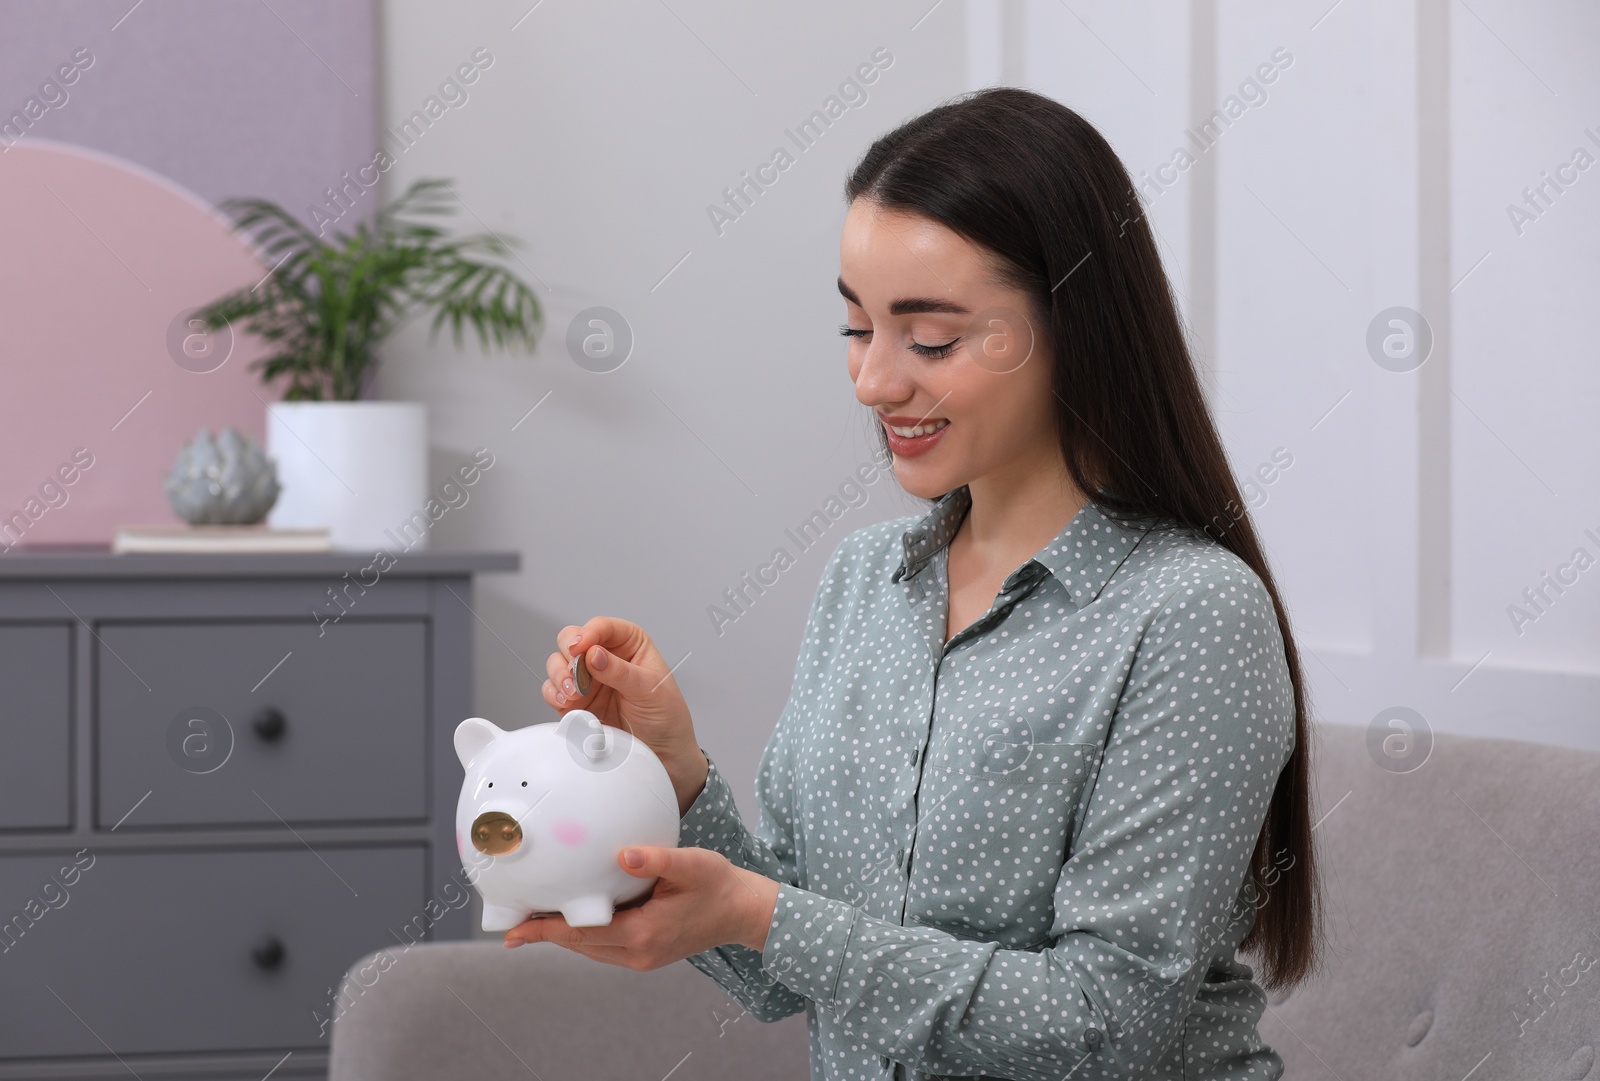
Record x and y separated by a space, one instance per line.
613 634
630 680
655 861
537 929
559 670
521 935
567 638
556 929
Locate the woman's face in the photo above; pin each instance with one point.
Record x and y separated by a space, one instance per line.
939 347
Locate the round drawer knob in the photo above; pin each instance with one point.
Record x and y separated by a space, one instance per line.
268 953
270 725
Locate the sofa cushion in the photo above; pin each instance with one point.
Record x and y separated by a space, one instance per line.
1463 903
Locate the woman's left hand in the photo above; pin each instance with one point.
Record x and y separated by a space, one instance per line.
700 900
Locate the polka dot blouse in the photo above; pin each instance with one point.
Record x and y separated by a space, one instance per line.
1021 853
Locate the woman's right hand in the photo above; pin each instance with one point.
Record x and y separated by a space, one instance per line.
634 690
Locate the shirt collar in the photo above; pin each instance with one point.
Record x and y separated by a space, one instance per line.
933 532
1083 556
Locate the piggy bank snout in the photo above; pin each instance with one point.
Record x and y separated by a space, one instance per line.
496 833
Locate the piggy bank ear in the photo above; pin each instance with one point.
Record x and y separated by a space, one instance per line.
585 733
472 736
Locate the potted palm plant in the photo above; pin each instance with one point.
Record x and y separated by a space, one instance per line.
357 466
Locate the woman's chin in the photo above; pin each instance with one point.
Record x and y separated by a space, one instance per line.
923 482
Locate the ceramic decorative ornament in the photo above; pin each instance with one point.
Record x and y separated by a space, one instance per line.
545 810
228 480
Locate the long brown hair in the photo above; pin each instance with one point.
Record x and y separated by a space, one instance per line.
1031 181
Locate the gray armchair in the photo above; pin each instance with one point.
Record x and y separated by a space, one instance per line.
1464 923
1464 907
478 1011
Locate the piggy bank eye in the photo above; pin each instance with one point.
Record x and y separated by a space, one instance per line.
491 784
524 784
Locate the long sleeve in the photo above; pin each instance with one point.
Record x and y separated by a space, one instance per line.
1147 893
713 822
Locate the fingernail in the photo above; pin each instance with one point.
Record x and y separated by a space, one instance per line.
561 699
573 644
570 687
633 857
600 659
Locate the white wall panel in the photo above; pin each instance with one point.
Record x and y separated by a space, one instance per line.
1375 173
1125 68
1526 381
1316 235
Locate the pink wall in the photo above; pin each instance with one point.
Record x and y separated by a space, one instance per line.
174 107
99 257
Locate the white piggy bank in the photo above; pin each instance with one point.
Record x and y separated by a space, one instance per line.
545 810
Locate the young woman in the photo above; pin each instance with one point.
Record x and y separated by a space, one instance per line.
1044 765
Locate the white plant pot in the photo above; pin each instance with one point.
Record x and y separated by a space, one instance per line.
358 468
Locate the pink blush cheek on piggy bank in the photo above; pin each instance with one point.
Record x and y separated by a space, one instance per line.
569 833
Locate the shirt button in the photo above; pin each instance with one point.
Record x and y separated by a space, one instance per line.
916 753
900 858
1092 1039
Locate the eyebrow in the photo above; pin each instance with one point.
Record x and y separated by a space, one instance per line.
909 305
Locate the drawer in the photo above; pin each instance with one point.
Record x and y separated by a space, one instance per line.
260 723
156 952
35 715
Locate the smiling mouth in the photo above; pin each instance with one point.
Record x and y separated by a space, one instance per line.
913 440
920 429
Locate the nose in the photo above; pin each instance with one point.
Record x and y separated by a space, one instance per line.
881 380
495 833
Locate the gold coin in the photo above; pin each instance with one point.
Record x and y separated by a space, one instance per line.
495 833
580 674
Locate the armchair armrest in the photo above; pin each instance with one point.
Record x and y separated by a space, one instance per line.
478 1010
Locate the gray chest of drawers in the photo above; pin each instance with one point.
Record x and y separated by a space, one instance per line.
214 796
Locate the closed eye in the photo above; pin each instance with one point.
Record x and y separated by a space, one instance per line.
935 352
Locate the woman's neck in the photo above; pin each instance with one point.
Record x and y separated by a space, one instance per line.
1015 513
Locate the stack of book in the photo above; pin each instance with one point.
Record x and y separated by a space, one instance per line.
219 538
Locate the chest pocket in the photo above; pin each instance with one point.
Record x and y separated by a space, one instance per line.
1007 753
995 813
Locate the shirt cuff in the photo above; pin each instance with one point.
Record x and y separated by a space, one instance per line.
806 942
713 820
